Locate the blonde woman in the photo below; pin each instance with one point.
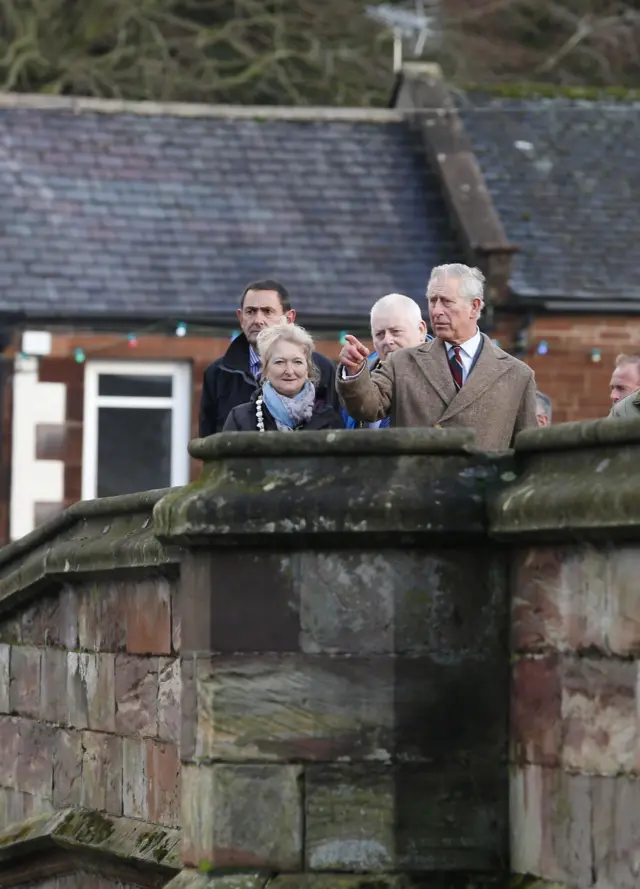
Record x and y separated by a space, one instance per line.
286 400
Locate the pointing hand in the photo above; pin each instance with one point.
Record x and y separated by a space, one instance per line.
353 354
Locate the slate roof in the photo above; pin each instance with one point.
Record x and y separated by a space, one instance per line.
564 175
168 215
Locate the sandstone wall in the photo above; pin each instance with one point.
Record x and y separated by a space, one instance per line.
573 518
89 696
345 671
90 702
358 707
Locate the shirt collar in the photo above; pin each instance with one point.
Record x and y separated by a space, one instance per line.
254 358
470 347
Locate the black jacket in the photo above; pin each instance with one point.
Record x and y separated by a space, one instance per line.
228 383
243 418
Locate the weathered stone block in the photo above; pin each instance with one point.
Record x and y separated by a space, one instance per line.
622 629
358 881
536 706
52 620
53 686
91 691
169 699
102 773
5 677
616 829
9 747
136 695
24 687
550 824
34 768
226 585
11 630
188 707
326 708
16 806
576 599
102 617
402 601
350 818
599 715
67 769
247 816
193 879
558 598
279 709
134 778
176 618
103 851
12 806
374 818
163 783
148 616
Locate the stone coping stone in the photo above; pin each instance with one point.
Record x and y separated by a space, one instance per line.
94 536
93 833
333 442
585 434
348 487
587 488
192 879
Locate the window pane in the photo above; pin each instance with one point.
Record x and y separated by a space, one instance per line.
135 385
134 450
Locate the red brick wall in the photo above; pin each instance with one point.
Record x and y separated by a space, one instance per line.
578 386
90 703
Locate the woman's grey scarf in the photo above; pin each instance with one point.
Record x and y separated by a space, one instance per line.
290 412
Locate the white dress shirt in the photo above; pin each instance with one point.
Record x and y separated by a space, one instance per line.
468 352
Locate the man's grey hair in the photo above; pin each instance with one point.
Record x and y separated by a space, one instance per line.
622 360
471 280
543 404
398 302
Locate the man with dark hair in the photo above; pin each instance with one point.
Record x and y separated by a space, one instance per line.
232 379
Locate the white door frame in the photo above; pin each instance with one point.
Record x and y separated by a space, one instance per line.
179 404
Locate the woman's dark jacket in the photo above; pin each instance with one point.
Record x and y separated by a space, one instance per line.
243 418
228 383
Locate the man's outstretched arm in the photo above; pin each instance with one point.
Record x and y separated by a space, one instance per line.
366 397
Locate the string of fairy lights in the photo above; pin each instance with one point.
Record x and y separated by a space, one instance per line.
520 346
80 354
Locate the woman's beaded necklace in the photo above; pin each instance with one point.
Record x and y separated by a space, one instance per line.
259 414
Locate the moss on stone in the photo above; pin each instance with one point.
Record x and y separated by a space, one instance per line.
526 90
90 828
193 879
527 881
17 835
154 843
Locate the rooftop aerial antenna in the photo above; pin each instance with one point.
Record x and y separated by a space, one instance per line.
406 24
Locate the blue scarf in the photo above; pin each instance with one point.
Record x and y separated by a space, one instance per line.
290 412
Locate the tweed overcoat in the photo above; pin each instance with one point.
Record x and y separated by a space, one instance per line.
415 386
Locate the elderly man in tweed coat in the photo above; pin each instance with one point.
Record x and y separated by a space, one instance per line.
459 379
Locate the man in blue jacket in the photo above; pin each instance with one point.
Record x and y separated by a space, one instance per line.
396 323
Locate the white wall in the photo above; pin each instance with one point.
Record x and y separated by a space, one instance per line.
33 481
